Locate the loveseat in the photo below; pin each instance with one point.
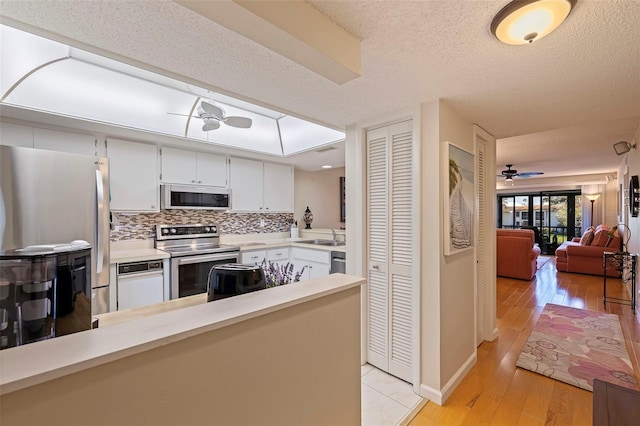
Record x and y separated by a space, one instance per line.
516 253
584 255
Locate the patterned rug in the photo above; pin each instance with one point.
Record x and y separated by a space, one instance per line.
576 346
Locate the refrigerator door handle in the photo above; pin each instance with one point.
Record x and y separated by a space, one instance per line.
99 242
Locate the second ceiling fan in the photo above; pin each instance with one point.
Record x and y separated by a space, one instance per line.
510 173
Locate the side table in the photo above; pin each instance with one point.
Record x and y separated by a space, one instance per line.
626 264
614 405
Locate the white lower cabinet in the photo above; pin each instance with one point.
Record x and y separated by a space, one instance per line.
278 255
253 257
316 263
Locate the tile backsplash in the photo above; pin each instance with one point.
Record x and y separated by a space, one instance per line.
141 226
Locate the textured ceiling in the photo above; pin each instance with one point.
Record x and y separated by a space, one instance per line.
584 78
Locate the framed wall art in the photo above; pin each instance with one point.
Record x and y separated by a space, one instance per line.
459 203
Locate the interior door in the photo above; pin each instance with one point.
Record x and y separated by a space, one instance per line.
485 234
390 248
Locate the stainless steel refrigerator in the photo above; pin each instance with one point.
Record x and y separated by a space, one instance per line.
50 199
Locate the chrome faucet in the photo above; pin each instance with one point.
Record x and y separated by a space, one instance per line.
335 236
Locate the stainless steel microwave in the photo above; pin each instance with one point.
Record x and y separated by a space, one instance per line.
194 197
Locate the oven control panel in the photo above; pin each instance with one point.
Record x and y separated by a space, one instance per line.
164 232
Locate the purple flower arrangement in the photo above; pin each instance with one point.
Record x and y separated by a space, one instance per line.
276 274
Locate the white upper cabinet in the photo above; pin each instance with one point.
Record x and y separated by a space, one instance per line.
133 176
16 135
278 187
261 187
65 142
246 185
190 167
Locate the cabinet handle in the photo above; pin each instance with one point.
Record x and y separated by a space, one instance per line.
199 181
193 181
376 267
260 208
267 208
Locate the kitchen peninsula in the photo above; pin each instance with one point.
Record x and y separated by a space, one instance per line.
284 355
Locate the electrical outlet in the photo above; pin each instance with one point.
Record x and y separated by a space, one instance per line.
262 223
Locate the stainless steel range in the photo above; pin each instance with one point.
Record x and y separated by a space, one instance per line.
194 249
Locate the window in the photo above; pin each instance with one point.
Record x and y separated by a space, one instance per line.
556 214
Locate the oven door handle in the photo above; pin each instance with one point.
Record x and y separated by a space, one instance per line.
206 258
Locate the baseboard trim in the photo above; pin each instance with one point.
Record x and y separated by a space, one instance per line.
440 396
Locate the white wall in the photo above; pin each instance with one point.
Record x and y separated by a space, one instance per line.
321 192
457 301
633 163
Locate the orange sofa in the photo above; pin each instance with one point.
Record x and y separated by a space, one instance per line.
584 255
516 253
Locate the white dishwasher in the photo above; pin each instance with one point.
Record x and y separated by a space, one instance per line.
139 284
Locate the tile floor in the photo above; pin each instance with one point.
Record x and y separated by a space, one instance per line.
387 400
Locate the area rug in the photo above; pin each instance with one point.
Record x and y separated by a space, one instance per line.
576 346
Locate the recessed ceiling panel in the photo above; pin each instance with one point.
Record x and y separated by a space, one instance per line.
299 135
51 77
22 53
83 90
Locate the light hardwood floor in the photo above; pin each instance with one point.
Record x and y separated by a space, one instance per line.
495 392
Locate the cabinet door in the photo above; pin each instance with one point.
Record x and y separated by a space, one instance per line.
317 269
278 188
298 264
254 257
279 255
178 166
64 142
16 135
133 176
246 185
211 169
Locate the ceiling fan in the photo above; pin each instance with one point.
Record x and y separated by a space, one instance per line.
510 173
213 115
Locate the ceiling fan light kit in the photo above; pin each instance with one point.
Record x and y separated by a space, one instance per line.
526 21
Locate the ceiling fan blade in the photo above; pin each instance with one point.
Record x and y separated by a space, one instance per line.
212 109
210 125
240 122
529 174
175 113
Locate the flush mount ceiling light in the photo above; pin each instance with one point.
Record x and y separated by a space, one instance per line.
623 147
524 21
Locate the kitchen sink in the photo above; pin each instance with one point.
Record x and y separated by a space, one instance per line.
323 242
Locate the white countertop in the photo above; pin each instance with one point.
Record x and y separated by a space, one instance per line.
288 242
144 254
26 366
137 255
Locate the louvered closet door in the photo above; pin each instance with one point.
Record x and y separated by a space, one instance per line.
390 210
378 312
